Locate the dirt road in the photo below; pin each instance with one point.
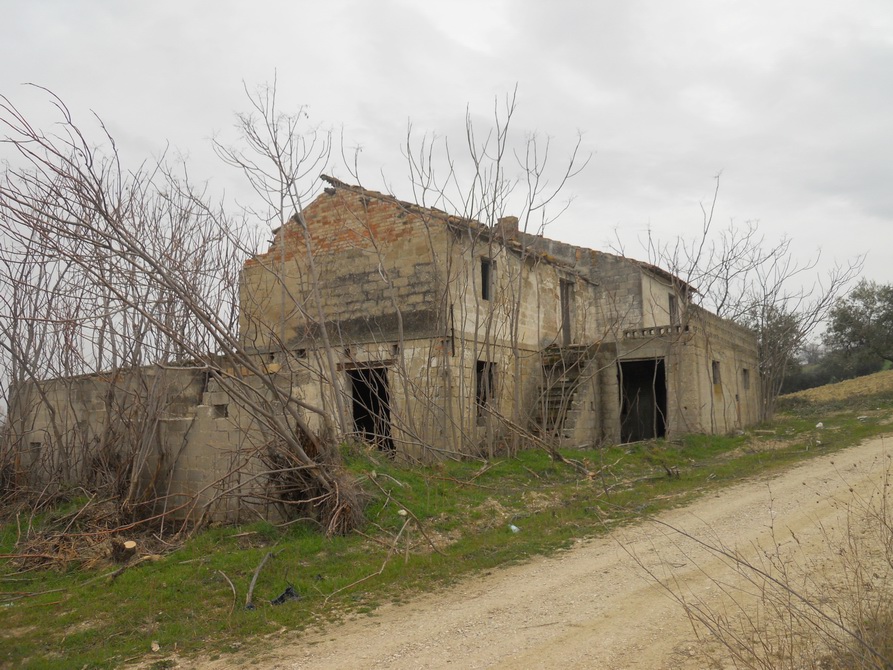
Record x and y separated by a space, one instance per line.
594 606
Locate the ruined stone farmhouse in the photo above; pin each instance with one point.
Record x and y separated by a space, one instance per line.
427 334
451 335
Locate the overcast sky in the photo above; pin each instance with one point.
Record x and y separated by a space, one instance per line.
792 101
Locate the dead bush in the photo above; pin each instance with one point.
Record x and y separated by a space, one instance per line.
798 606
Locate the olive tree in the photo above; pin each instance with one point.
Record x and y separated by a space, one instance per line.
864 320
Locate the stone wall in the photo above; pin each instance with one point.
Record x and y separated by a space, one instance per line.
618 281
509 328
370 261
174 437
399 278
706 346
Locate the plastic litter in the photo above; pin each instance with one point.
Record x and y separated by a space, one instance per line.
514 528
285 596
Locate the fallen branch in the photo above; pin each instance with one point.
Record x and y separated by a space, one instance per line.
603 468
117 573
396 481
228 581
545 446
18 595
373 538
412 516
460 482
114 574
484 469
384 564
79 512
248 604
531 472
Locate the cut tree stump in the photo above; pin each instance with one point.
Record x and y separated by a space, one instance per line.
123 550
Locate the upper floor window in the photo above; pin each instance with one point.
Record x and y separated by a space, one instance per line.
716 377
673 308
566 291
488 269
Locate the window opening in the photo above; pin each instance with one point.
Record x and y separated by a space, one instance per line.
566 289
485 385
745 379
715 369
673 308
488 267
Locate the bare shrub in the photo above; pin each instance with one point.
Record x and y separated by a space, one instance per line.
739 275
111 278
795 603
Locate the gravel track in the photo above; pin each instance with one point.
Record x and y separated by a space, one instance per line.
594 605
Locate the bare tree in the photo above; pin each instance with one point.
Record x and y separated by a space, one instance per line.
135 273
158 268
281 160
504 185
740 276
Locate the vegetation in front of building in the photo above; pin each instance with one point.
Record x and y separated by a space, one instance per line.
65 603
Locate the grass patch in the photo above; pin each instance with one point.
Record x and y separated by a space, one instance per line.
78 616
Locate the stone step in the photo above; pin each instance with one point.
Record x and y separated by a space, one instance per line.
558 408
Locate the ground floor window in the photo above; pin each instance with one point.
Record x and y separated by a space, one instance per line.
485 385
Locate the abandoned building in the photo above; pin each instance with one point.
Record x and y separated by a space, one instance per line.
450 335
428 334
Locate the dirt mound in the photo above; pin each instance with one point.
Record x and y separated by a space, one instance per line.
879 382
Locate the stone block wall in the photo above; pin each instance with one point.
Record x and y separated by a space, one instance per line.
188 448
66 425
526 287
372 263
618 296
707 362
735 400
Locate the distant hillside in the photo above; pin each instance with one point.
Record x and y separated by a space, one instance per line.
879 382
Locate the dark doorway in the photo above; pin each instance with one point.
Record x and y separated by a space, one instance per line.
643 399
372 406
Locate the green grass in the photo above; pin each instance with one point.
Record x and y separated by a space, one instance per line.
184 603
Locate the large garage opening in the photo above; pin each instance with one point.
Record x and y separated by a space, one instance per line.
643 399
372 406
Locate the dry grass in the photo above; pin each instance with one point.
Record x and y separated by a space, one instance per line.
879 382
823 604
